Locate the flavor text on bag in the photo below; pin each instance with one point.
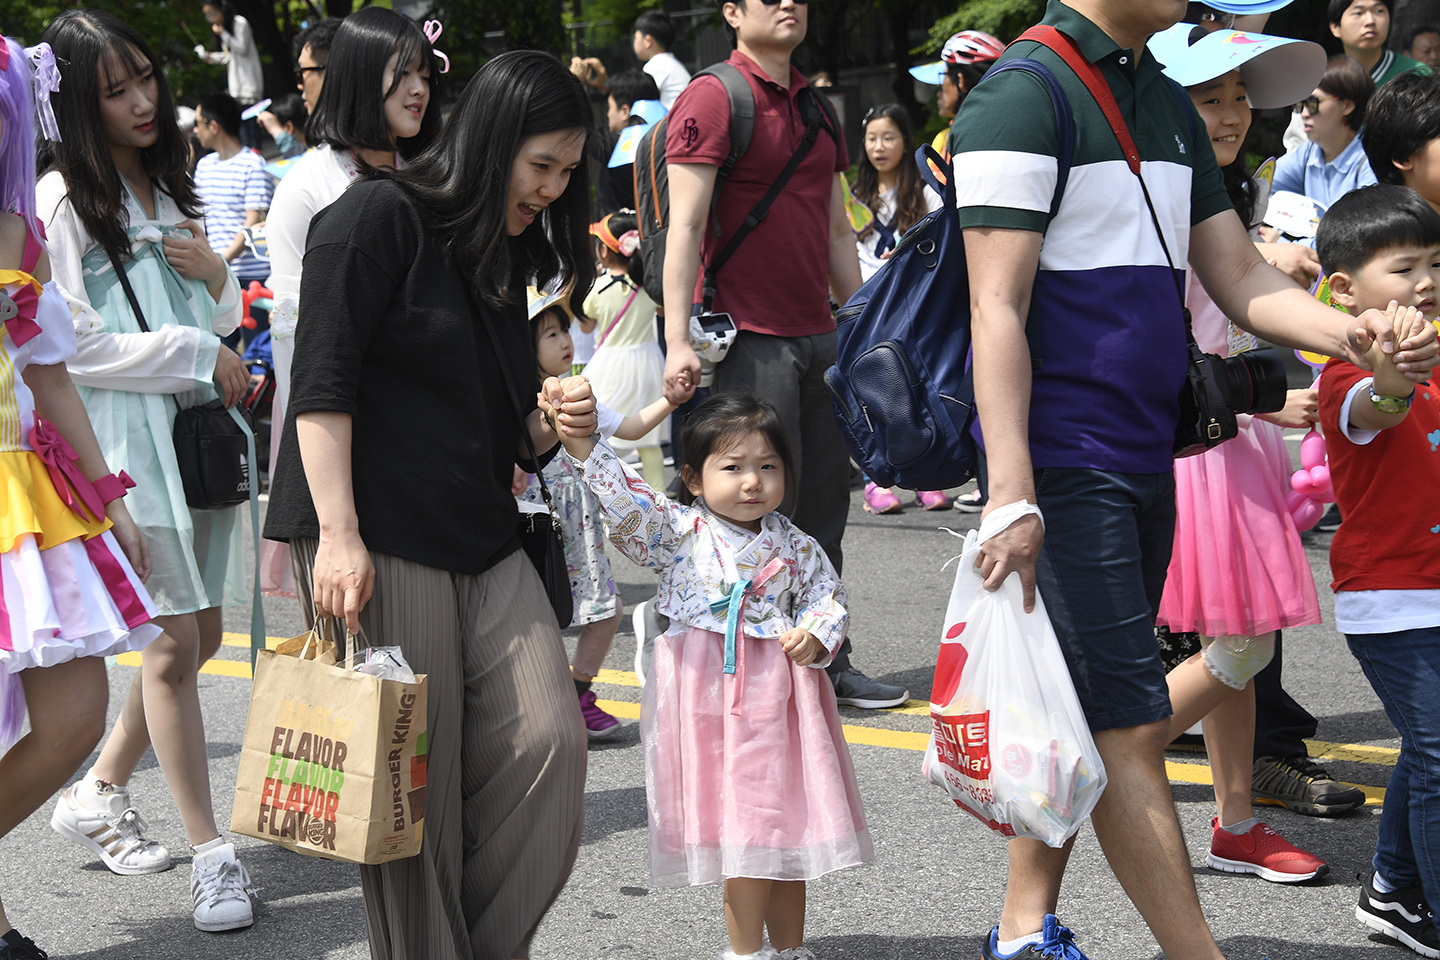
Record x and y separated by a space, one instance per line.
305 775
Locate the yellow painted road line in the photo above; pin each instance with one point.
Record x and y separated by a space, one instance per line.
1353 752
873 736
219 668
906 740
243 640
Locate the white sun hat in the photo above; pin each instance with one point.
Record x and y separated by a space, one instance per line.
1278 71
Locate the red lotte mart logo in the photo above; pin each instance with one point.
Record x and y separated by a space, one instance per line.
962 742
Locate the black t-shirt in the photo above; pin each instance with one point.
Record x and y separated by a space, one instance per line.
616 190
388 335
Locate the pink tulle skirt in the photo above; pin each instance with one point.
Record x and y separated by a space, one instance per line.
1238 568
762 789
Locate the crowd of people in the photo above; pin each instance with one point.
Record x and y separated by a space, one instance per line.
461 312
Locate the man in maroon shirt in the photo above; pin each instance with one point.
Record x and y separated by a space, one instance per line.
776 285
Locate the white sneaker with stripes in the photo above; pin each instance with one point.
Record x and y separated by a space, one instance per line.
115 833
221 889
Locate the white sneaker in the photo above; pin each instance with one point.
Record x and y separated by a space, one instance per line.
115 833
797 953
766 952
221 889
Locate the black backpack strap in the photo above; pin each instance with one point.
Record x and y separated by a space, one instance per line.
742 121
129 290
815 117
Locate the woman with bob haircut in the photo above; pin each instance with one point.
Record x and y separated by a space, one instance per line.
393 487
118 194
1332 162
373 111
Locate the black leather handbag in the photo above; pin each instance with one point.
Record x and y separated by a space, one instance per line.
212 443
540 534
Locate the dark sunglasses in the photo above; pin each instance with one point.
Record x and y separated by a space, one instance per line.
300 72
1313 103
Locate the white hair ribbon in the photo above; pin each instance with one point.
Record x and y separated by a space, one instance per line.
432 30
47 83
628 241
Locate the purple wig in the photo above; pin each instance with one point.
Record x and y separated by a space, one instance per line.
17 138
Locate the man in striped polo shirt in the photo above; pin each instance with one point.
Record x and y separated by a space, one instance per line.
1091 431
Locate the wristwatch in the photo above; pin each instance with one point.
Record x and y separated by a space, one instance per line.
1386 404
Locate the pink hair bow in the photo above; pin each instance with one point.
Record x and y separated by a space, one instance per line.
63 463
17 312
47 84
628 241
432 31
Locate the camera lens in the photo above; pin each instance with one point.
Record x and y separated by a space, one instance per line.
1254 381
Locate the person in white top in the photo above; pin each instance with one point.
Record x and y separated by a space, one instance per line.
244 77
654 36
126 239
352 131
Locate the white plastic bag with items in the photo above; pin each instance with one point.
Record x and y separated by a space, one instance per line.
1008 739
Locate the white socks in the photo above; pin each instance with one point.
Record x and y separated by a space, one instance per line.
1380 884
1241 828
1008 947
210 846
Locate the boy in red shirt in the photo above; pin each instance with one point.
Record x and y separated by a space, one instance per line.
1381 246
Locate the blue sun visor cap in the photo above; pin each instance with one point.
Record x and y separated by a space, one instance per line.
1278 71
931 73
1241 8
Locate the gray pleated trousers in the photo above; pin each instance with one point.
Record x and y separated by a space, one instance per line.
506 770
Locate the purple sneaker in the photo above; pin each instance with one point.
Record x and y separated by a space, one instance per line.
599 724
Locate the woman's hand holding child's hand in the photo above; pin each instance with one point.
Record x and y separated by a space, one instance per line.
801 646
569 408
1406 323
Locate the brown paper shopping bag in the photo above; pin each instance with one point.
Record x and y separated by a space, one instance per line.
333 761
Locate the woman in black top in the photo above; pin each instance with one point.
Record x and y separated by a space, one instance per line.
399 500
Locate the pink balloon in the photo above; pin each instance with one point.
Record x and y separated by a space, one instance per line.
1308 514
1312 450
1301 482
1327 497
1320 477
1293 499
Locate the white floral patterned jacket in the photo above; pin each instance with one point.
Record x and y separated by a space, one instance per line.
700 557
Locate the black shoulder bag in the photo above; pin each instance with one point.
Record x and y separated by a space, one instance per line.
539 533
212 443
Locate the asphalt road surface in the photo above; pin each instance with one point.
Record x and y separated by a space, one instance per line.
933 892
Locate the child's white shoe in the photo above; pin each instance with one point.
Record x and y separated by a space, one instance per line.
797 953
766 952
221 889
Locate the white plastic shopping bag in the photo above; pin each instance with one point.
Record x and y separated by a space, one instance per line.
1008 739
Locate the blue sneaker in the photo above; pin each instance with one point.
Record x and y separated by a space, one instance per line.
1056 943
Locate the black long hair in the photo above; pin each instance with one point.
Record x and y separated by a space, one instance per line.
463 179
909 191
227 13
350 113
87 45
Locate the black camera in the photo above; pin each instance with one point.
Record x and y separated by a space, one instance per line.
1217 389
1253 381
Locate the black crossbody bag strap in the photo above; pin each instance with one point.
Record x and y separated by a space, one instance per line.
129 290
519 413
814 118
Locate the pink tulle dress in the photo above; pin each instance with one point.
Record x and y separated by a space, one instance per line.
1238 568
747 773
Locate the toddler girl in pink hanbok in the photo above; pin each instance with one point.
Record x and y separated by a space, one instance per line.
747 774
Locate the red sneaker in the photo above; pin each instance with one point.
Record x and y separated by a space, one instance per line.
1262 852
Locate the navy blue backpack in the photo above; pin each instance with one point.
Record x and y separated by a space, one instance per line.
901 385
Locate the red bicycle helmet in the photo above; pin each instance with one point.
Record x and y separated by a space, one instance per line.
972 46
